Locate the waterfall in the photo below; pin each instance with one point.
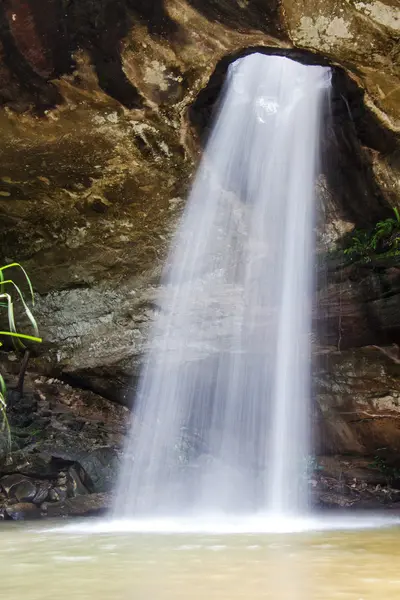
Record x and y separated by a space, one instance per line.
221 413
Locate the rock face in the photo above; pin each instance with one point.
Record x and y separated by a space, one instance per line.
358 393
102 108
65 453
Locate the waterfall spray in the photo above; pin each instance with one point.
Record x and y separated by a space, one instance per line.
221 414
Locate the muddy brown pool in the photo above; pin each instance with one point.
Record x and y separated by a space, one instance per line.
65 562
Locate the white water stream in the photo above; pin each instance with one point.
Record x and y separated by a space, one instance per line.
222 408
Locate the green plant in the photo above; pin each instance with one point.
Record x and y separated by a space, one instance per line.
9 289
385 229
360 244
383 239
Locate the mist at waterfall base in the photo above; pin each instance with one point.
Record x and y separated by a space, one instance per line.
221 414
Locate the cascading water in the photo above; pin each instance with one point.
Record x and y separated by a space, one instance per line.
222 407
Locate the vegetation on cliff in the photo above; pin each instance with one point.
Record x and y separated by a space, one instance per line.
382 241
9 291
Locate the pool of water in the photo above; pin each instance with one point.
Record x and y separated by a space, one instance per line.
97 560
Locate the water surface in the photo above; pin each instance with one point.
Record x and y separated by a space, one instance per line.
42 563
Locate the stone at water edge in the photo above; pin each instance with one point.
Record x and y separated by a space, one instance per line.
80 506
75 487
32 464
42 493
9 483
23 511
58 494
25 491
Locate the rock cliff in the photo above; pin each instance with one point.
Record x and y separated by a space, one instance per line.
103 107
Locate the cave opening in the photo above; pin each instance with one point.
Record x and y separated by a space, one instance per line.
351 136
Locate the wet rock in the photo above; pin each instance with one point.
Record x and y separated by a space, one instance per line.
25 491
75 486
98 466
358 402
4 448
88 505
335 500
31 464
358 304
58 494
62 478
23 408
351 482
101 468
22 511
58 459
348 469
42 493
10 482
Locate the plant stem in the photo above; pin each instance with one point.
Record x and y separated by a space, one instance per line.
21 377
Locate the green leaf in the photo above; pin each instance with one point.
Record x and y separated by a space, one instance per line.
17 337
17 265
22 336
3 390
11 319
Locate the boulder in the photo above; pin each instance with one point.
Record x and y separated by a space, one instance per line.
41 493
75 454
100 469
9 482
23 511
75 485
25 491
80 506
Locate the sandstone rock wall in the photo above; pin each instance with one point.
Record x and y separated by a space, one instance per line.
99 142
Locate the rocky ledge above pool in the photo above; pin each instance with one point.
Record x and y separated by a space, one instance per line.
65 452
67 445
